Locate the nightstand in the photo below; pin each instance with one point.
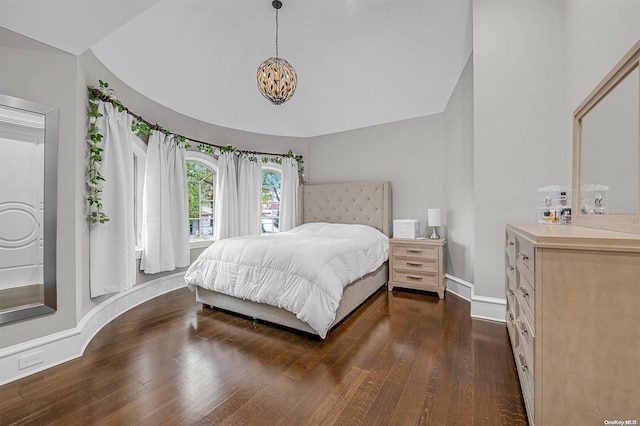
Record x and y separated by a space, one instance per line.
417 264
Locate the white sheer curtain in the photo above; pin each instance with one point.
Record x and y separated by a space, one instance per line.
226 208
165 215
249 196
112 244
289 194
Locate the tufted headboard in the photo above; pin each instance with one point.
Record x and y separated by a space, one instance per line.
367 203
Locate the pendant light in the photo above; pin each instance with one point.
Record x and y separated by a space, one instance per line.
277 80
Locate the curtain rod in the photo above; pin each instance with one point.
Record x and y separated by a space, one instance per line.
103 97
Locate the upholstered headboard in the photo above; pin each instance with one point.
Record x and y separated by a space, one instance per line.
367 203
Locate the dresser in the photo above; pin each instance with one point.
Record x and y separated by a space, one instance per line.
573 318
417 264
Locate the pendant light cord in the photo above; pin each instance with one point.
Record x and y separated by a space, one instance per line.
276 33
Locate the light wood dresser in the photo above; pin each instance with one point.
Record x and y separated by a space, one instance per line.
417 264
573 316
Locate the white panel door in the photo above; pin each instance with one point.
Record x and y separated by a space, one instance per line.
21 207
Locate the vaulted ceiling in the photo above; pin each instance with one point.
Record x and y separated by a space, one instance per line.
359 62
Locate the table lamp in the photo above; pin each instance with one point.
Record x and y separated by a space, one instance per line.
434 219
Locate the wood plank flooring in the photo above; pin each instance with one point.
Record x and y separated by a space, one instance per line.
404 358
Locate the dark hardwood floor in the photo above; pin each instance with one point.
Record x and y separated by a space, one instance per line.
403 358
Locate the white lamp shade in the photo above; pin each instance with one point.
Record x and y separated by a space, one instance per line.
434 217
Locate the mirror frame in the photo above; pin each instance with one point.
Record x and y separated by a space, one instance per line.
50 210
623 223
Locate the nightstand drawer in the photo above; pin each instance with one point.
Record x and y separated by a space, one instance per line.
416 279
412 264
415 251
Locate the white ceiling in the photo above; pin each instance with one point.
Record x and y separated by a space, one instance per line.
359 62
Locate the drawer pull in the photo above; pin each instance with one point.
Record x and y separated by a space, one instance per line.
523 256
524 292
509 243
511 268
523 327
411 277
414 251
415 265
511 316
511 293
524 365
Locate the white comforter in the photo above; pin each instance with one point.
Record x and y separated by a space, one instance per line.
303 270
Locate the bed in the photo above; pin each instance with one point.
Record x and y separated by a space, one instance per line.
365 203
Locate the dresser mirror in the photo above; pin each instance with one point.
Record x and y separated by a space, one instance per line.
606 151
28 208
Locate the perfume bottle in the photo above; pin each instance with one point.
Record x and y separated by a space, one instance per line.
563 198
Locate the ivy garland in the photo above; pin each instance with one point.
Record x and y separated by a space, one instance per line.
96 212
94 179
249 155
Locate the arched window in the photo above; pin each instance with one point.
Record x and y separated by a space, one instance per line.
201 186
271 182
201 180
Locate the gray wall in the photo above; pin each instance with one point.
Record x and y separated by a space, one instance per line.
407 153
458 177
36 72
520 133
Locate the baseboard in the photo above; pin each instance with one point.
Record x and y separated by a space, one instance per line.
459 287
482 307
64 346
489 308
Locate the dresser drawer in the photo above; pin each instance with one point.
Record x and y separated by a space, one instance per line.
511 299
526 294
526 337
415 251
512 284
525 366
415 279
510 245
414 264
511 322
525 373
525 253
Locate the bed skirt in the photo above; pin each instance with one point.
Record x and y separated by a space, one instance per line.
354 295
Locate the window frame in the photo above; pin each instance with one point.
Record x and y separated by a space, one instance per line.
275 168
212 164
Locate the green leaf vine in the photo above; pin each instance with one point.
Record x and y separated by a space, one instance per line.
143 129
96 212
250 155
